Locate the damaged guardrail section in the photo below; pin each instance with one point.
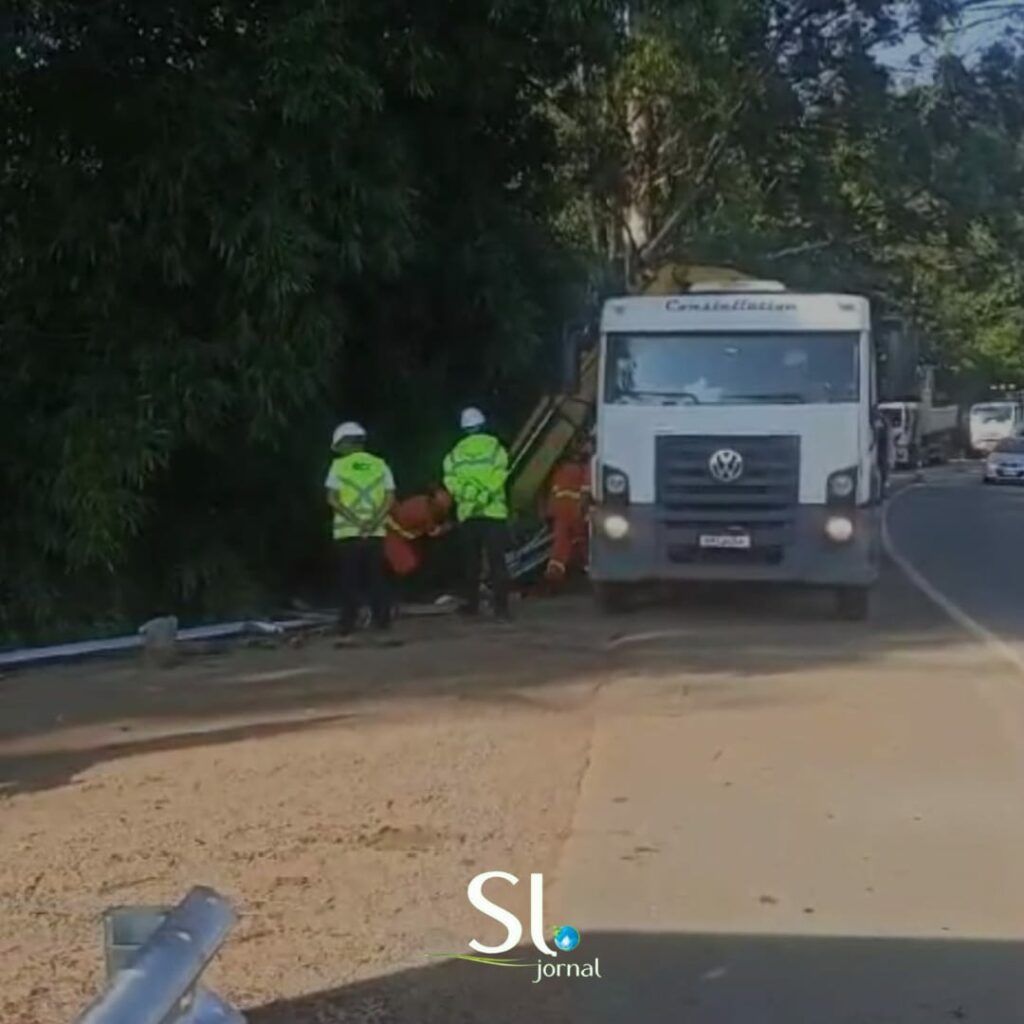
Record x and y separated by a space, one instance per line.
155 957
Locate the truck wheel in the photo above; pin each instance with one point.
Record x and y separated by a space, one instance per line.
612 598
853 603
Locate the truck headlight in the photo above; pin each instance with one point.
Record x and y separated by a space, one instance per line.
615 527
838 529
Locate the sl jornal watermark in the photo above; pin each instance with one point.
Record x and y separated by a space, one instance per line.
565 937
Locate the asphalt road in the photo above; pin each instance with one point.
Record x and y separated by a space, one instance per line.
791 821
967 540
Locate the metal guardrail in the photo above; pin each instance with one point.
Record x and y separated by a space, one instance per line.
529 556
155 957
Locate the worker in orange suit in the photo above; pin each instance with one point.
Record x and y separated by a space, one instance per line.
568 500
423 515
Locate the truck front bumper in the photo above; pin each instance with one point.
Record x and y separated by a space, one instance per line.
647 554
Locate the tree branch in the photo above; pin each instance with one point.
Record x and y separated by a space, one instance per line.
716 147
807 247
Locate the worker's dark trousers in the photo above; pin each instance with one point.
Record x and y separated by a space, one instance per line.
363 579
479 536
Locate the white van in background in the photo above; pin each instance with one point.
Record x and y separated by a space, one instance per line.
989 422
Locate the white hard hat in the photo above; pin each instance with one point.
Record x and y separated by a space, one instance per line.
347 431
471 418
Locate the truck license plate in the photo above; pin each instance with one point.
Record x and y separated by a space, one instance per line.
725 540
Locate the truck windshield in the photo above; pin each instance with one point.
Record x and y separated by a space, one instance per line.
716 369
992 413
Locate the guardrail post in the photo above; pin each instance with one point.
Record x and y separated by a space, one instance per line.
155 956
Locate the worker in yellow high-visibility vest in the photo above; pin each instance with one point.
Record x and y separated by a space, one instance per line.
476 476
360 491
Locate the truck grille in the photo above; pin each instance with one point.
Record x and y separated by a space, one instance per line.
761 501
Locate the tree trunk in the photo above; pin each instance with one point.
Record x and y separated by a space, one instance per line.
636 217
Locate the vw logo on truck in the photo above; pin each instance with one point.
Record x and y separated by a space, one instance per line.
726 465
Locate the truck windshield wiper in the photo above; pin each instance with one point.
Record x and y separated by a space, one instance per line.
665 397
788 397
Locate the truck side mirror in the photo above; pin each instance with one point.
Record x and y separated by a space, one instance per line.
575 339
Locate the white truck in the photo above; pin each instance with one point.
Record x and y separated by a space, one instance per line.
989 422
921 432
735 441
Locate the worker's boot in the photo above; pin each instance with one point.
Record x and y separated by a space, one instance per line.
470 609
502 612
384 638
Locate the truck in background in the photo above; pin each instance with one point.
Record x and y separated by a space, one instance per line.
735 441
921 432
988 423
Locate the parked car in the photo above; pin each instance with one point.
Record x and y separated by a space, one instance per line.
1005 463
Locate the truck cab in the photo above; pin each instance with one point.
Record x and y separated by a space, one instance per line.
920 431
735 441
901 418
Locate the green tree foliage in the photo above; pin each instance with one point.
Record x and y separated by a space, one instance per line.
965 263
712 108
770 135
224 225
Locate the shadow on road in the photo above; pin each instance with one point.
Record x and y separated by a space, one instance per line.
58 722
43 771
698 979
